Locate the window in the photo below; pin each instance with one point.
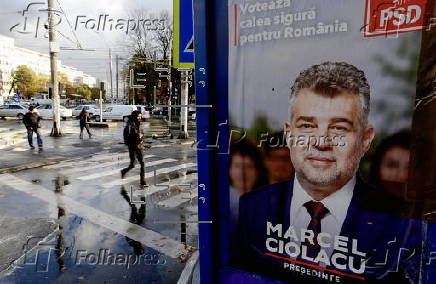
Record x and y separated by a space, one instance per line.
78 108
3 107
14 107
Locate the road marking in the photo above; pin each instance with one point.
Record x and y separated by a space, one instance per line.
149 238
95 158
111 172
161 187
97 166
149 174
179 199
188 271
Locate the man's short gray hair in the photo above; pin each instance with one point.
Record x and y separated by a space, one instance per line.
332 78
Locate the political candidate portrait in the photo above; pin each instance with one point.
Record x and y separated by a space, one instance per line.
326 224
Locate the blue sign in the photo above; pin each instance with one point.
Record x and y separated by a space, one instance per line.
183 34
16 98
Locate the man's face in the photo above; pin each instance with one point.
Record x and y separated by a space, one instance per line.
327 163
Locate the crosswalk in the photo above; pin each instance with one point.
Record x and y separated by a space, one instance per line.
97 175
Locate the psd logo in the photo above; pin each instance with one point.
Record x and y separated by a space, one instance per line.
386 17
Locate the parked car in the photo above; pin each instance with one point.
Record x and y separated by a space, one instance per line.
12 110
116 112
46 111
144 111
92 110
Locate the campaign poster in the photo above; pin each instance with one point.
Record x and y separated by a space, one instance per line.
321 96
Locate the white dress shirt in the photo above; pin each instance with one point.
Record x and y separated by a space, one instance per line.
337 204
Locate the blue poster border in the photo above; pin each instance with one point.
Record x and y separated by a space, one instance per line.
211 83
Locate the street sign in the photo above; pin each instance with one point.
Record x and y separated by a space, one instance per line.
16 98
183 56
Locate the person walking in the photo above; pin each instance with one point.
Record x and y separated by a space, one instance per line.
32 121
84 123
133 136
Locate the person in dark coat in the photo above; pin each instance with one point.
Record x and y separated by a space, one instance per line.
32 122
84 120
133 136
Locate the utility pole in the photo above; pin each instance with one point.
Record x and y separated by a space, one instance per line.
54 50
110 72
116 75
185 82
154 96
170 90
124 85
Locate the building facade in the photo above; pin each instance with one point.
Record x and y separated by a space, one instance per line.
12 56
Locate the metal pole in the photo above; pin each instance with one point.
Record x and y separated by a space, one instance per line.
170 84
124 85
154 95
116 71
110 72
184 101
54 50
101 106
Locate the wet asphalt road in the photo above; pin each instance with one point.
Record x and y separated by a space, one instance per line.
76 221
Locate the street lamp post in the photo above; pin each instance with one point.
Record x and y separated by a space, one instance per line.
54 50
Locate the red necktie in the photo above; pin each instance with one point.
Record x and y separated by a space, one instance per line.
317 211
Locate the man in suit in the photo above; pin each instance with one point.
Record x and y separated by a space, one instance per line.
326 224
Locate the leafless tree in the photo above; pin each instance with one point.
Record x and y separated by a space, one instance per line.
163 35
139 39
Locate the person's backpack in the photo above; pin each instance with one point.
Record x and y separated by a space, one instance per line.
131 135
34 119
31 120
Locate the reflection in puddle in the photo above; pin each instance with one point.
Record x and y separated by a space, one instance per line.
137 216
60 181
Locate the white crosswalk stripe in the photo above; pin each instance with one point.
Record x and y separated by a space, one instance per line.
149 238
95 158
149 174
117 171
99 165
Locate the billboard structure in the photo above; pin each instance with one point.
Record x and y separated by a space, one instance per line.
306 159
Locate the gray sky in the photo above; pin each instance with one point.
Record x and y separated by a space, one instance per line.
92 62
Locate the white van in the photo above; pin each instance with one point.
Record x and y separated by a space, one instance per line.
145 113
116 112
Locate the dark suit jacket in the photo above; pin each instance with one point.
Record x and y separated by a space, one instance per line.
372 218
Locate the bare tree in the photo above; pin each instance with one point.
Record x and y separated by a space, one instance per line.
163 35
139 39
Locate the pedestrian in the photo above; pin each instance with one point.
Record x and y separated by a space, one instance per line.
133 136
32 121
84 123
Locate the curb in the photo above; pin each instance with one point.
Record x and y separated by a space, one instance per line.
26 167
188 271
